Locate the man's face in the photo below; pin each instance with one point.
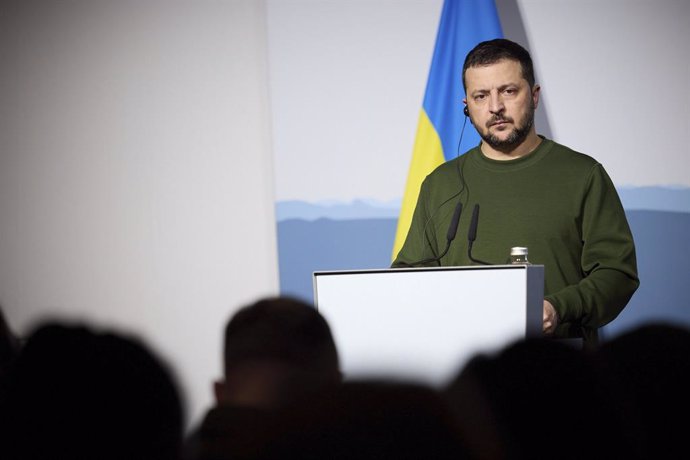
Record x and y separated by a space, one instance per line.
501 103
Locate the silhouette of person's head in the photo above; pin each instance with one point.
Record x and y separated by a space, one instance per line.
522 401
276 351
649 368
76 393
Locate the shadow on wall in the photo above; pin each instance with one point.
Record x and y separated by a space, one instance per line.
514 29
660 237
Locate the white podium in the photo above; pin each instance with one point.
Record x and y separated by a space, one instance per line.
423 324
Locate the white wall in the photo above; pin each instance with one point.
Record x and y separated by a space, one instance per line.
347 81
615 76
136 185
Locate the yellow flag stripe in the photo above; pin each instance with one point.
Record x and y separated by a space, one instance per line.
426 156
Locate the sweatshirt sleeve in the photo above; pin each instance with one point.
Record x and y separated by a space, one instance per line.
608 260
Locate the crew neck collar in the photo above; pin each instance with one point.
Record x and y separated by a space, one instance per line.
517 163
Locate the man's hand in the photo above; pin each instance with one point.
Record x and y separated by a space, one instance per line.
550 318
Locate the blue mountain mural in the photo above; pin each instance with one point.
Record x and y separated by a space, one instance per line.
675 199
358 209
663 251
659 219
326 244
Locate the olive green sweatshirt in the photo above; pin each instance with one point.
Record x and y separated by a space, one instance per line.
559 203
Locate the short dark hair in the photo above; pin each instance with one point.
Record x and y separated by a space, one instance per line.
281 329
491 51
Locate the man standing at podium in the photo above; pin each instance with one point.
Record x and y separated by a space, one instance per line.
531 192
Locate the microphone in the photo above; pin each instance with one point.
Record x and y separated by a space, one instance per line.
453 227
450 236
472 235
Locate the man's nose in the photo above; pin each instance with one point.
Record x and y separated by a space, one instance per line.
496 103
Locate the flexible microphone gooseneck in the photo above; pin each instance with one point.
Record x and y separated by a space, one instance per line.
472 235
450 236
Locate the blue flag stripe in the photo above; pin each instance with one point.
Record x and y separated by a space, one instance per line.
464 23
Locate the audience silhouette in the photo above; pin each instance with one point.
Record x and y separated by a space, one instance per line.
537 398
70 392
649 367
278 352
9 350
76 394
370 419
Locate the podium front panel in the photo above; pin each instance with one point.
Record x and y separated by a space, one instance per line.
425 323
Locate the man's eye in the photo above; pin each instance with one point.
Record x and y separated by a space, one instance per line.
479 97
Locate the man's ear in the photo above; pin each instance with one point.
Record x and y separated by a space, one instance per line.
535 95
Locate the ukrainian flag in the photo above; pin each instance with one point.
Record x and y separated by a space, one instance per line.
464 23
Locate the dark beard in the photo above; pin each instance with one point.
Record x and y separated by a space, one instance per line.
516 137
